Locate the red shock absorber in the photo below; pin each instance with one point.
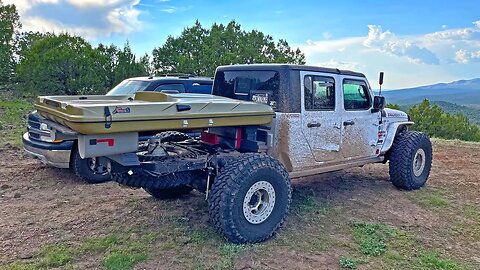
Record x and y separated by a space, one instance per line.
209 138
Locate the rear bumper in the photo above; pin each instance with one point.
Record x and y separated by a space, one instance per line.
53 154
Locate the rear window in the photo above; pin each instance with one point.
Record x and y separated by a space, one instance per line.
201 88
257 86
176 87
128 87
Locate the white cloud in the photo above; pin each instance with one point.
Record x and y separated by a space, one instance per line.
477 24
332 63
24 5
44 25
88 18
124 19
94 3
462 33
447 55
173 9
327 35
386 41
326 46
169 10
464 57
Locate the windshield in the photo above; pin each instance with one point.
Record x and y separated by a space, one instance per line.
128 87
257 86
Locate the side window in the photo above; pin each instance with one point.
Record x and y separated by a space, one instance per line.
356 95
319 93
179 87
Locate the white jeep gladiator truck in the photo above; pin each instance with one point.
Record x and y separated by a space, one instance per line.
323 120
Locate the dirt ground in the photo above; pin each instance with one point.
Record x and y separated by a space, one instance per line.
48 219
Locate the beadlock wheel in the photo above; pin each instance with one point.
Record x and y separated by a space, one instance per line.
419 162
259 202
249 198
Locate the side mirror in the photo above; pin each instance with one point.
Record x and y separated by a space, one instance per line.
379 103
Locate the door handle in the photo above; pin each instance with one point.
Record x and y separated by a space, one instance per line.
315 124
348 123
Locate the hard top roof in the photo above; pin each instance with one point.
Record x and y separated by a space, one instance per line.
291 67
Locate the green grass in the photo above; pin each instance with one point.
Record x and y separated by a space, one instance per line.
122 259
348 263
311 215
430 198
99 244
228 253
372 238
468 227
22 266
304 204
303 201
125 251
385 247
430 260
119 251
13 120
55 255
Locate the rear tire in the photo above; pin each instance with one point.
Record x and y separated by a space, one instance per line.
169 193
250 198
88 169
410 160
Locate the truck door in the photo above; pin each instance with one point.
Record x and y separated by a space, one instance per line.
359 124
321 120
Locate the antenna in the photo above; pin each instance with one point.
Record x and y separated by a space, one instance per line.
380 81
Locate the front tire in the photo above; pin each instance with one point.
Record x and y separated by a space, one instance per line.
250 198
410 160
88 169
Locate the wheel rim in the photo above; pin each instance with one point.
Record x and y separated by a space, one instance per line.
95 167
419 162
259 202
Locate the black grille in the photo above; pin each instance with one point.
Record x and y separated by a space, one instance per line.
34 124
34 135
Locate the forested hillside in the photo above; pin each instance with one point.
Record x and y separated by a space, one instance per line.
433 120
472 113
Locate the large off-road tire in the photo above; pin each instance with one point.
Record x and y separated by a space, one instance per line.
410 160
168 193
88 169
172 136
250 198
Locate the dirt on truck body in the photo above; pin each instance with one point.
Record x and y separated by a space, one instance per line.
293 121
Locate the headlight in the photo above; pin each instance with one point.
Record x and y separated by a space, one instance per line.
44 127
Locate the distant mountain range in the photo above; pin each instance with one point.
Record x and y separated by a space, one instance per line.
455 97
464 92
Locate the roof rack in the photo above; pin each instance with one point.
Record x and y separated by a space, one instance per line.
180 75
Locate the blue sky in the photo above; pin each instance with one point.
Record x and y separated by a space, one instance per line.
414 42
